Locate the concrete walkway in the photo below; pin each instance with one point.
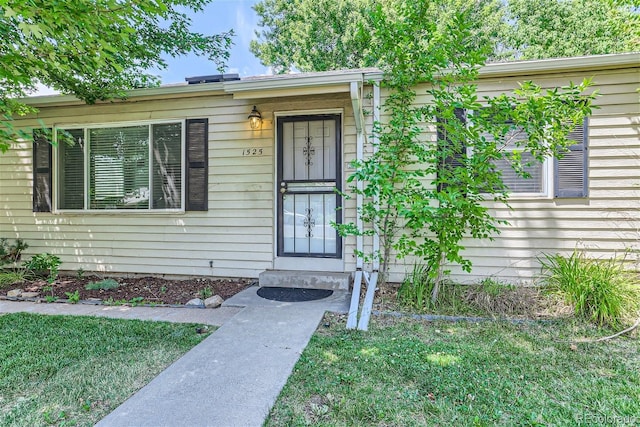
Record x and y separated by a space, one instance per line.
233 377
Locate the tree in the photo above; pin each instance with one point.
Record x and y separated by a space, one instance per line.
95 50
318 35
554 28
424 197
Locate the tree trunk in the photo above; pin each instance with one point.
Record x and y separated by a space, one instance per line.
439 277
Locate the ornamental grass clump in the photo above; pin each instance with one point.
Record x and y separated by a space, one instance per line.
601 291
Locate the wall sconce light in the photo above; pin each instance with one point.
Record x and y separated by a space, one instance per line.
255 118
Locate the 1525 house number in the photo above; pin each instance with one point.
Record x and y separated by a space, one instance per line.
252 152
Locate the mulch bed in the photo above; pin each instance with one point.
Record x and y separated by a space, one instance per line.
142 290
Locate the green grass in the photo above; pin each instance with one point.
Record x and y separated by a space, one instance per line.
410 373
65 370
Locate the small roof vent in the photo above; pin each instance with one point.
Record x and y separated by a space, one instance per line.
215 78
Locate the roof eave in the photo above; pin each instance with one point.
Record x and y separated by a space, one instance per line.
559 65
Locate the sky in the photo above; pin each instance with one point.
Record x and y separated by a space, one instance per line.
218 16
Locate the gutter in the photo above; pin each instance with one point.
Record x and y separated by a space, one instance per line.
557 65
339 81
203 89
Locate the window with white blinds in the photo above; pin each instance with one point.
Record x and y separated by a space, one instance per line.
136 167
532 180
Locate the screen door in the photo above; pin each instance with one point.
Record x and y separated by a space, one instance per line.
308 184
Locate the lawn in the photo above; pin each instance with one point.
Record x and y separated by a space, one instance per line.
414 373
72 371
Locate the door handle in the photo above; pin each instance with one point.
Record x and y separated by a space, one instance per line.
283 187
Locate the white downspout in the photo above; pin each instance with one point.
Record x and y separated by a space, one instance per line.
358 116
357 113
374 140
372 280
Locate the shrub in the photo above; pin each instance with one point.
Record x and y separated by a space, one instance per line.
415 290
104 284
602 291
11 253
44 262
8 278
415 293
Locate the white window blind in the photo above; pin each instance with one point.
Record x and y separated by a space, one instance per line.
119 168
167 166
533 179
137 167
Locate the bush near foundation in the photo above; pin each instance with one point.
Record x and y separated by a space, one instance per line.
602 291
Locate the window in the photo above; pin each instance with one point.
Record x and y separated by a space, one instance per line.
532 181
454 151
138 167
570 172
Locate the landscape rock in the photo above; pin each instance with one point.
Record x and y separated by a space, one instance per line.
195 302
213 302
29 294
14 293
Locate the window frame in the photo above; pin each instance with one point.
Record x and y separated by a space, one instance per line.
86 127
550 172
546 175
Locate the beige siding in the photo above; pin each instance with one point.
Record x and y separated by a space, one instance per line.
605 224
237 232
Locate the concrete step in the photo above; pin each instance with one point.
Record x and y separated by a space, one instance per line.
305 279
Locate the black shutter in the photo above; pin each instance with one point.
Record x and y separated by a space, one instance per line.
42 182
571 171
456 160
196 164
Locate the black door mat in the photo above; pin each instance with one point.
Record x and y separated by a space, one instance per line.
293 294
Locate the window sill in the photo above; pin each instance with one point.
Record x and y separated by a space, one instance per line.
116 212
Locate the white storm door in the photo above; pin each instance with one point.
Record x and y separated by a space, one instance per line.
308 183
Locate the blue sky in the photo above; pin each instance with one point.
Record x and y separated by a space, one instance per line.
219 16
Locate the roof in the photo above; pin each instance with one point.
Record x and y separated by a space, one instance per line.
340 80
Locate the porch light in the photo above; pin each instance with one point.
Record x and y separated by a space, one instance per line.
255 118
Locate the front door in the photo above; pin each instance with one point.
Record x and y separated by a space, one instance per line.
308 183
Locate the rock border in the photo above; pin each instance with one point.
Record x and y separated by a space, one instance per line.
40 300
453 319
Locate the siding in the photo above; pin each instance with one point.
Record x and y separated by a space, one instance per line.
236 233
605 224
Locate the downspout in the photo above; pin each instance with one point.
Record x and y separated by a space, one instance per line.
372 281
356 102
374 141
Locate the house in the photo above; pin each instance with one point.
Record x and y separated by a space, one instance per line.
175 181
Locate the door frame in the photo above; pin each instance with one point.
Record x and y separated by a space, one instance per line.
303 261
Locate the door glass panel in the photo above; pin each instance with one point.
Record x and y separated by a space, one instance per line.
314 151
300 147
287 155
289 222
308 200
329 150
322 210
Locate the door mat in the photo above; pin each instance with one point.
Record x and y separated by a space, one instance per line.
293 294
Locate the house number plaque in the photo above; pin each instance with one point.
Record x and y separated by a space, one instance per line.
252 152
